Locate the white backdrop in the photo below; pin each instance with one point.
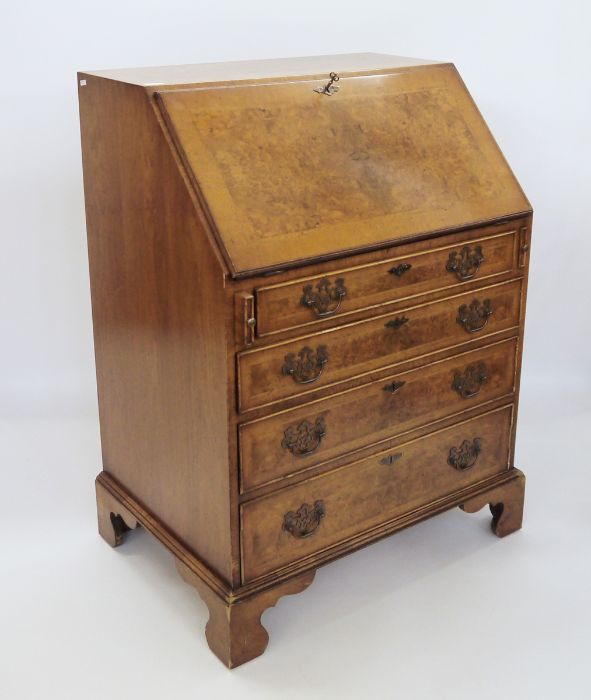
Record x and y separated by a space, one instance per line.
528 66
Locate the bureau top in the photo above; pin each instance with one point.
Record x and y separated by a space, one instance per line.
290 170
198 73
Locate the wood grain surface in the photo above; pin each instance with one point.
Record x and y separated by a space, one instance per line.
371 414
158 308
289 174
280 306
365 494
370 345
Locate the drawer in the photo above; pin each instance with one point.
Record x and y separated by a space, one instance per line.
291 441
312 300
310 517
280 371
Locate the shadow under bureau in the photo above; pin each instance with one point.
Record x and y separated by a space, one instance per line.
308 288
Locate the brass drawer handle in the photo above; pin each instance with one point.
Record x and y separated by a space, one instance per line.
469 382
464 457
393 387
389 460
474 317
399 270
305 438
304 521
397 322
326 300
466 263
307 366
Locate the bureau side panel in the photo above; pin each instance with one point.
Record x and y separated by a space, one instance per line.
158 312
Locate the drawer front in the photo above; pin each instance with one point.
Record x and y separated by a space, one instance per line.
303 520
296 367
314 299
302 438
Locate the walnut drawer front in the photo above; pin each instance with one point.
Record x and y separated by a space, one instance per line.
298 439
306 519
295 367
313 300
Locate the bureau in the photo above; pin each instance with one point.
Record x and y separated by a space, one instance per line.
308 283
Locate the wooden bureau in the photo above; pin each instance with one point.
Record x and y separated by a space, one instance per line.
308 287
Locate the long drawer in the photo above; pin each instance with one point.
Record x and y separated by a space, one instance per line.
295 367
310 517
291 441
313 300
